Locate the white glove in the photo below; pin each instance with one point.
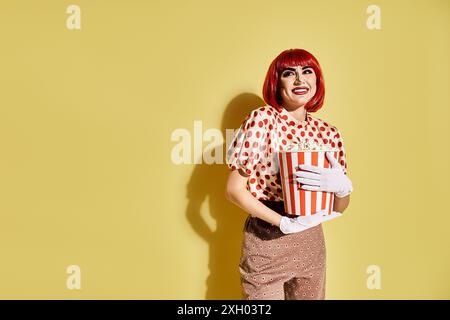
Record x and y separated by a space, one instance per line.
301 223
325 179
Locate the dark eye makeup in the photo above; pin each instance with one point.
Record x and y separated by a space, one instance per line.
289 71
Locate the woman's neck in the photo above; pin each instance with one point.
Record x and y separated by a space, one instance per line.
299 113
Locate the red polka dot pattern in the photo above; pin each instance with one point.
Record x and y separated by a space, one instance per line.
267 130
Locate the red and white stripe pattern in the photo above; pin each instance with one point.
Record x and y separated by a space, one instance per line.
300 202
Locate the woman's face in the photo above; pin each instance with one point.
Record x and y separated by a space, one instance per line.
297 86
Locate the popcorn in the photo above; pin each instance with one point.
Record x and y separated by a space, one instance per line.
308 145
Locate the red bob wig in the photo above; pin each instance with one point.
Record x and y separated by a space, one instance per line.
293 57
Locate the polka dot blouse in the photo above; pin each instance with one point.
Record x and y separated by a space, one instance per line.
264 132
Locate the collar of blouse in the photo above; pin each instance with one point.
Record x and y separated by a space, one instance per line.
288 116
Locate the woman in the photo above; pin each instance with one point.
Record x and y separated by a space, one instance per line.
284 257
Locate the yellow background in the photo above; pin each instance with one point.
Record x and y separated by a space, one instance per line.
86 176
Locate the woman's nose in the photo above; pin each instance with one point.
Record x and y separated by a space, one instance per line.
298 80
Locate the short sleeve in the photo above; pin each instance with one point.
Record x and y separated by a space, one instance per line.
250 143
342 156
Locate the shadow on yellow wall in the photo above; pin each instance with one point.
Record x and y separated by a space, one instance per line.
207 183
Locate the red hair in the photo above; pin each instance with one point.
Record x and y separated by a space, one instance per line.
293 57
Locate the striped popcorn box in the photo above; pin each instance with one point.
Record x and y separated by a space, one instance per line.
298 201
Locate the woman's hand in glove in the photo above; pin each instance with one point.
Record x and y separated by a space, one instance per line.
301 223
325 179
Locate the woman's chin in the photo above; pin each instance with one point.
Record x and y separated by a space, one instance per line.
297 103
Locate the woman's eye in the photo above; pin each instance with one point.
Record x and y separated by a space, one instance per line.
287 73
307 71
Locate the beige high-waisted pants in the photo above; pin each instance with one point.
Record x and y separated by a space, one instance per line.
280 266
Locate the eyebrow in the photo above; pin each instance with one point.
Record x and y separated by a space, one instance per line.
292 69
